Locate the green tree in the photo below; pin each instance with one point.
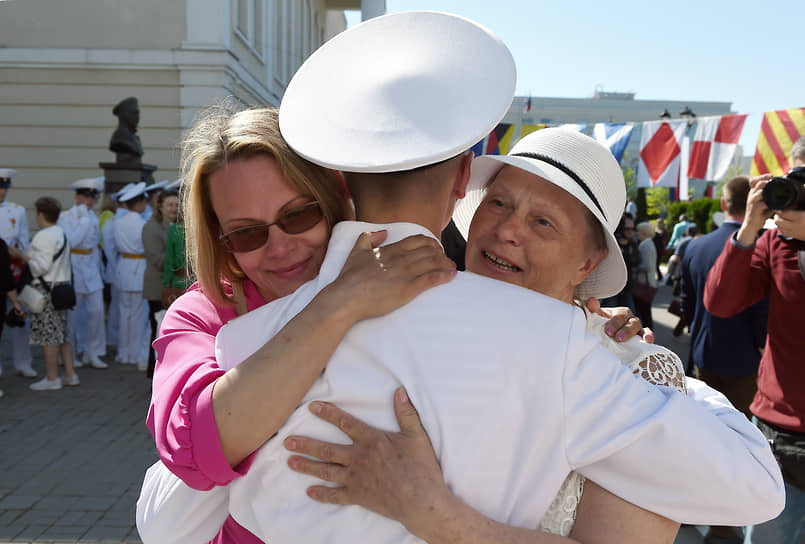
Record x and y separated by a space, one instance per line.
658 201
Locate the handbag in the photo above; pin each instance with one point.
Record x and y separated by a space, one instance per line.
644 291
62 295
32 298
675 307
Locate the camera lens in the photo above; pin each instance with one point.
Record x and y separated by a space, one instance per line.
780 193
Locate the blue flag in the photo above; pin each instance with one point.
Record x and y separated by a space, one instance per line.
615 136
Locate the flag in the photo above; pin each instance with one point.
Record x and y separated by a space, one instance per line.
478 149
578 127
528 105
714 146
660 153
778 132
525 130
615 136
500 139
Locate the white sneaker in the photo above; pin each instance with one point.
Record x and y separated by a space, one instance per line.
142 366
77 363
94 361
27 373
46 385
72 380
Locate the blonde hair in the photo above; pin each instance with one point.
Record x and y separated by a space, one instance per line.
220 135
646 229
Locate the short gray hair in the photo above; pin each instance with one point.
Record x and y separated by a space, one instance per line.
798 151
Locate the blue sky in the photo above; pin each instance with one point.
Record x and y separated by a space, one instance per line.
741 51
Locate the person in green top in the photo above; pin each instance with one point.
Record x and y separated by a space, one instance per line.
174 272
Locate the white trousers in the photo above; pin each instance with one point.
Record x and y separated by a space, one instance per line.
85 323
113 319
20 348
132 346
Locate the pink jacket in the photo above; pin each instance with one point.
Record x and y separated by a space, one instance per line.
180 417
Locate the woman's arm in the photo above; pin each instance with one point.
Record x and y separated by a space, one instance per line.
205 421
254 399
604 518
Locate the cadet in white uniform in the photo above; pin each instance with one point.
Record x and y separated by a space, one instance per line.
14 231
133 339
81 226
110 272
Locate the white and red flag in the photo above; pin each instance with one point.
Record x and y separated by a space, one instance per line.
660 143
714 146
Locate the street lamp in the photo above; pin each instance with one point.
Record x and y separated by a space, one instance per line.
665 115
688 115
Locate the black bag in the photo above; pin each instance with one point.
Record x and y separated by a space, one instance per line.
62 295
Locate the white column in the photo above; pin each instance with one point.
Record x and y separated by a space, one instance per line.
208 24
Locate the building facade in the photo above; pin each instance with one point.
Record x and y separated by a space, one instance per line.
63 66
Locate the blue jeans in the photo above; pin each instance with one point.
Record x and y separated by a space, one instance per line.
787 528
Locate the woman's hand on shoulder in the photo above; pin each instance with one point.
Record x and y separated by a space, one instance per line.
622 324
377 280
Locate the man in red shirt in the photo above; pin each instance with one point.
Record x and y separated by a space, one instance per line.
746 271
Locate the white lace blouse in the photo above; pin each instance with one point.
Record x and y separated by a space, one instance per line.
653 363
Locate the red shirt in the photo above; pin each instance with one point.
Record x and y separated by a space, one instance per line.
741 277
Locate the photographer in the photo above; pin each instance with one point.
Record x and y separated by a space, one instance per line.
747 271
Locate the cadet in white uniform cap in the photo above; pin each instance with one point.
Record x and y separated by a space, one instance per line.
80 224
133 337
14 231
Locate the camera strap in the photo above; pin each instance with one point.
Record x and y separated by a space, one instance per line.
801 258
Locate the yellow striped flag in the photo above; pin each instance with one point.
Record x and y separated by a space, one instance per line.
778 132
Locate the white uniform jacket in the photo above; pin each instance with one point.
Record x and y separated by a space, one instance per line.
83 230
14 225
131 254
109 246
514 394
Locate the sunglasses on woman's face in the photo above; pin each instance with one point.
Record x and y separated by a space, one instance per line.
295 221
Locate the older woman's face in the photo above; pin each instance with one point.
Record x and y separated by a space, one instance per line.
253 192
529 232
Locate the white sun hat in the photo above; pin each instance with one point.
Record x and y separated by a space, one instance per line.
398 92
579 165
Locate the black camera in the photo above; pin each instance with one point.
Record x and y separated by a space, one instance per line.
787 192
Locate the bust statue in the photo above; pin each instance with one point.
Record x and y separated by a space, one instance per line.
125 142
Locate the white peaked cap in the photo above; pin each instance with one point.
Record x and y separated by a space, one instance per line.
132 190
398 92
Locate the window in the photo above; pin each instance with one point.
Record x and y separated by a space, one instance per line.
249 19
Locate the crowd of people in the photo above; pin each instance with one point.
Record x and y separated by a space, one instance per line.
328 339
117 267
271 364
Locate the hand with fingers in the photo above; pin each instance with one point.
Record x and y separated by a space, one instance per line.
377 280
791 223
395 474
622 324
756 211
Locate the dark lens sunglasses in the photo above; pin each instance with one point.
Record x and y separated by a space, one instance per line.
294 221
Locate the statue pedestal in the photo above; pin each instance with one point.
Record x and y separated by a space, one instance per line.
120 174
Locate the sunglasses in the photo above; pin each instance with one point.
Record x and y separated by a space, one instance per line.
294 221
